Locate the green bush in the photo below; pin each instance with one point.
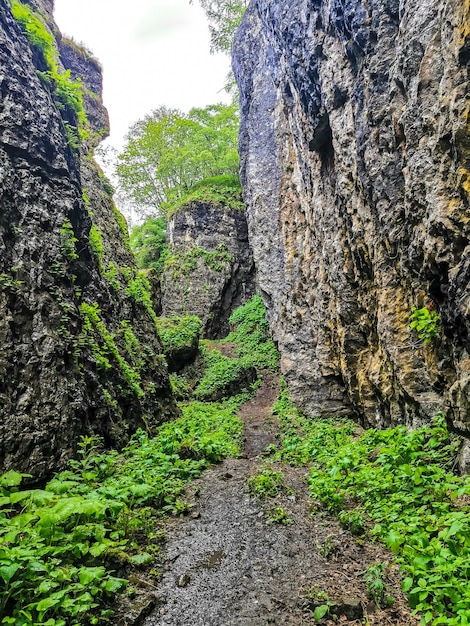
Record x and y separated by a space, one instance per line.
426 323
177 332
148 244
221 374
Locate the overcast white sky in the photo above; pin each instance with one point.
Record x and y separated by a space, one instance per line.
153 52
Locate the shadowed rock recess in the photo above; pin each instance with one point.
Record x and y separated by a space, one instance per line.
355 152
79 352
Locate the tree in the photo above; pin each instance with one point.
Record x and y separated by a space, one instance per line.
224 18
148 243
167 152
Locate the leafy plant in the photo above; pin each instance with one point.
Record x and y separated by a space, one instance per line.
59 545
67 93
426 323
376 586
278 515
223 191
267 484
252 336
176 332
68 240
222 374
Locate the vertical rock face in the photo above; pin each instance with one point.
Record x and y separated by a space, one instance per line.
210 271
79 353
355 152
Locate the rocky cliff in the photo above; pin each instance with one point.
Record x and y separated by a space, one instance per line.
210 271
355 153
79 352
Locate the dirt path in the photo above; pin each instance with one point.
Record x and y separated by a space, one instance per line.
226 566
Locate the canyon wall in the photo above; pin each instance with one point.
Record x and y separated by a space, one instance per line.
210 271
355 152
79 351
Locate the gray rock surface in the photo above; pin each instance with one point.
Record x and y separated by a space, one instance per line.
59 380
212 271
355 148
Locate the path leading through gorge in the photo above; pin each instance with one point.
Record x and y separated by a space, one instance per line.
225 565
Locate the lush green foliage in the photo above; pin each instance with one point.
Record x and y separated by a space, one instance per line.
60 544
148 243
220 373
176 332
224 190
138 288
67 93
426 323
224 18
168 151
254 348
400 485
251 335
103 347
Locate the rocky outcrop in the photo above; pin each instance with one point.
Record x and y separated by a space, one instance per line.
355 152
79 352
210 268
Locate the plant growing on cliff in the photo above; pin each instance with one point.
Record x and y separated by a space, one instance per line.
427 323
66 92
168 151
148 243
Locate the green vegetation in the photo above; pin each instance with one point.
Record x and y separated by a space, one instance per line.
148 244
398 486
221 374
376 587
138 288
67 93
176 332
252 336
68 240
168 152
268 483
255 352
96 243
224 18
426 323
59 545
224 191
104 349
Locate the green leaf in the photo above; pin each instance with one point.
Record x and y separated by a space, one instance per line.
87 575
141 559
320 611
8 571
12 479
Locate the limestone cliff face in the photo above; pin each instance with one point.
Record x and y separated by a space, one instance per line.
210 271
79 353
355 152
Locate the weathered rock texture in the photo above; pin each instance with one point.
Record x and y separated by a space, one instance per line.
211 270
355 155
79 353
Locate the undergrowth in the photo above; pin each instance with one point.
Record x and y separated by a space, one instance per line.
60 545
397 485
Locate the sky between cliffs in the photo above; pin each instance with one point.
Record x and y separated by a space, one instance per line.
153 52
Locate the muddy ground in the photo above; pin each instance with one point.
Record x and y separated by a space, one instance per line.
225 565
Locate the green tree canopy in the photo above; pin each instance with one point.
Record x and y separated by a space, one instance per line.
148 243
168 151
224 18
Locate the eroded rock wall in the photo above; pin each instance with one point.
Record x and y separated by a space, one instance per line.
355 151
210 271
79 352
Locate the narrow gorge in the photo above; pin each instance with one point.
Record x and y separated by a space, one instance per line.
252 407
